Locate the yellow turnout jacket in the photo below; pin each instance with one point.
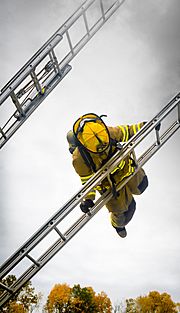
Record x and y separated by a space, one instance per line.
121 133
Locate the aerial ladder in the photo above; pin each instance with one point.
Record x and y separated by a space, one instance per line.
141 147
44 71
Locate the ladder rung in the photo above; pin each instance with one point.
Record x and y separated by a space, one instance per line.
17 103
3 133
178 107
158 137
86 22
36 82
6 287
102 9
157 128
69 41
60 234
54 61
33 260
134 158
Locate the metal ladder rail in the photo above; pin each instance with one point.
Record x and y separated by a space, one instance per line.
64 238
57 69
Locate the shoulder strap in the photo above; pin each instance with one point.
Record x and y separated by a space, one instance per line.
87 158
113 143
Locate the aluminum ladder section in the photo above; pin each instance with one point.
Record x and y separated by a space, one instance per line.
160 128
41 74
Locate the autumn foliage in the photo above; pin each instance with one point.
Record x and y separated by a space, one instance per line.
64 299
21 302
154 302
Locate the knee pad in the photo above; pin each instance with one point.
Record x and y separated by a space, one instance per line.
143 185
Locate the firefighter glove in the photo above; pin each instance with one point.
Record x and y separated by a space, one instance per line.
85 205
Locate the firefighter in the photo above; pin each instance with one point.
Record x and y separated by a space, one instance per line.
92 144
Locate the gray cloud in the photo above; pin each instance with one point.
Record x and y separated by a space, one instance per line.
157 23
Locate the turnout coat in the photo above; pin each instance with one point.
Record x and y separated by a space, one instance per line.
120 204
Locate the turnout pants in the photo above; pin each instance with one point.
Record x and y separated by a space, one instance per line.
123 207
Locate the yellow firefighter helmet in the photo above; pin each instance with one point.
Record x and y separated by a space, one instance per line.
92 133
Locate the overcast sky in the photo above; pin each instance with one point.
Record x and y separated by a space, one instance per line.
129 71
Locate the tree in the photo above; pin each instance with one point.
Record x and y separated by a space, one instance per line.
103 303
64 299
82 299
58 299
131 306
23 301
16 308
154 302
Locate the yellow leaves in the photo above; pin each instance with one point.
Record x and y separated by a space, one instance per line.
60 293
63 298
103 303
58 297
16 308
153 302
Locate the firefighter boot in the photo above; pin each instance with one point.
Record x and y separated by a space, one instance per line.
121 232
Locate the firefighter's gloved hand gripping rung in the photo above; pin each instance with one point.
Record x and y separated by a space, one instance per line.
86 205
